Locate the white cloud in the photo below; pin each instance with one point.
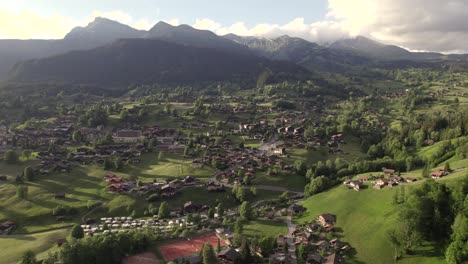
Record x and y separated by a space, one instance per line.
28 25
174 21
206 24
432 25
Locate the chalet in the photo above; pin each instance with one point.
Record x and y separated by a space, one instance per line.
228 256
382 182
298 209
388 171
322 245
3 178
396 179
176 183
59 196
128 136
409 179
190 207
115 187
437 174
213 186
363 178
7 227
189 180
326 219
314 258
299 130
167 190
356 185
280 151
337 137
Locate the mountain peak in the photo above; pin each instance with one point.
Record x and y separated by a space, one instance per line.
103 30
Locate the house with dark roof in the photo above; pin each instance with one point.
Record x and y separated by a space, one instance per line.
228 256
326 219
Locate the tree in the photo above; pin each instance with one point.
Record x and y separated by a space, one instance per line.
245 211
267 245
118 163
28 258
246 254
238 226
426 172
22 192
300 167
76 136
220 210
447 167
208 254
108 164
77 232
395 241
28 173
10 157
211 213
163 210
284 196
241 194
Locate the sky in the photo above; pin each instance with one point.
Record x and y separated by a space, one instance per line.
418 25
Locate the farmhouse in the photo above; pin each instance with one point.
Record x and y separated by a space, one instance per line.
356 185
190 207
388 171
7 227
228 256
326 219
168 190
298 209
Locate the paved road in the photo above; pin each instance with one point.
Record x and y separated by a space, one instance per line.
290 237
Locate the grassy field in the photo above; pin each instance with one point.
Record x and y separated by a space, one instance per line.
289 181
172 166
263 227
13 247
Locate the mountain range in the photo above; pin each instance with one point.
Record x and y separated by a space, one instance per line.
109 52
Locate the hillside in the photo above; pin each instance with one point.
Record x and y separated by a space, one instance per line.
366 216
148 61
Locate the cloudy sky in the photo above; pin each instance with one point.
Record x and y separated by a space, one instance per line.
419 25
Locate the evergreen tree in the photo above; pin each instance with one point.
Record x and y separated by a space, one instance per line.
77 232
28 173
246 254
245 211
208 254
220 210
28 257
163 210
